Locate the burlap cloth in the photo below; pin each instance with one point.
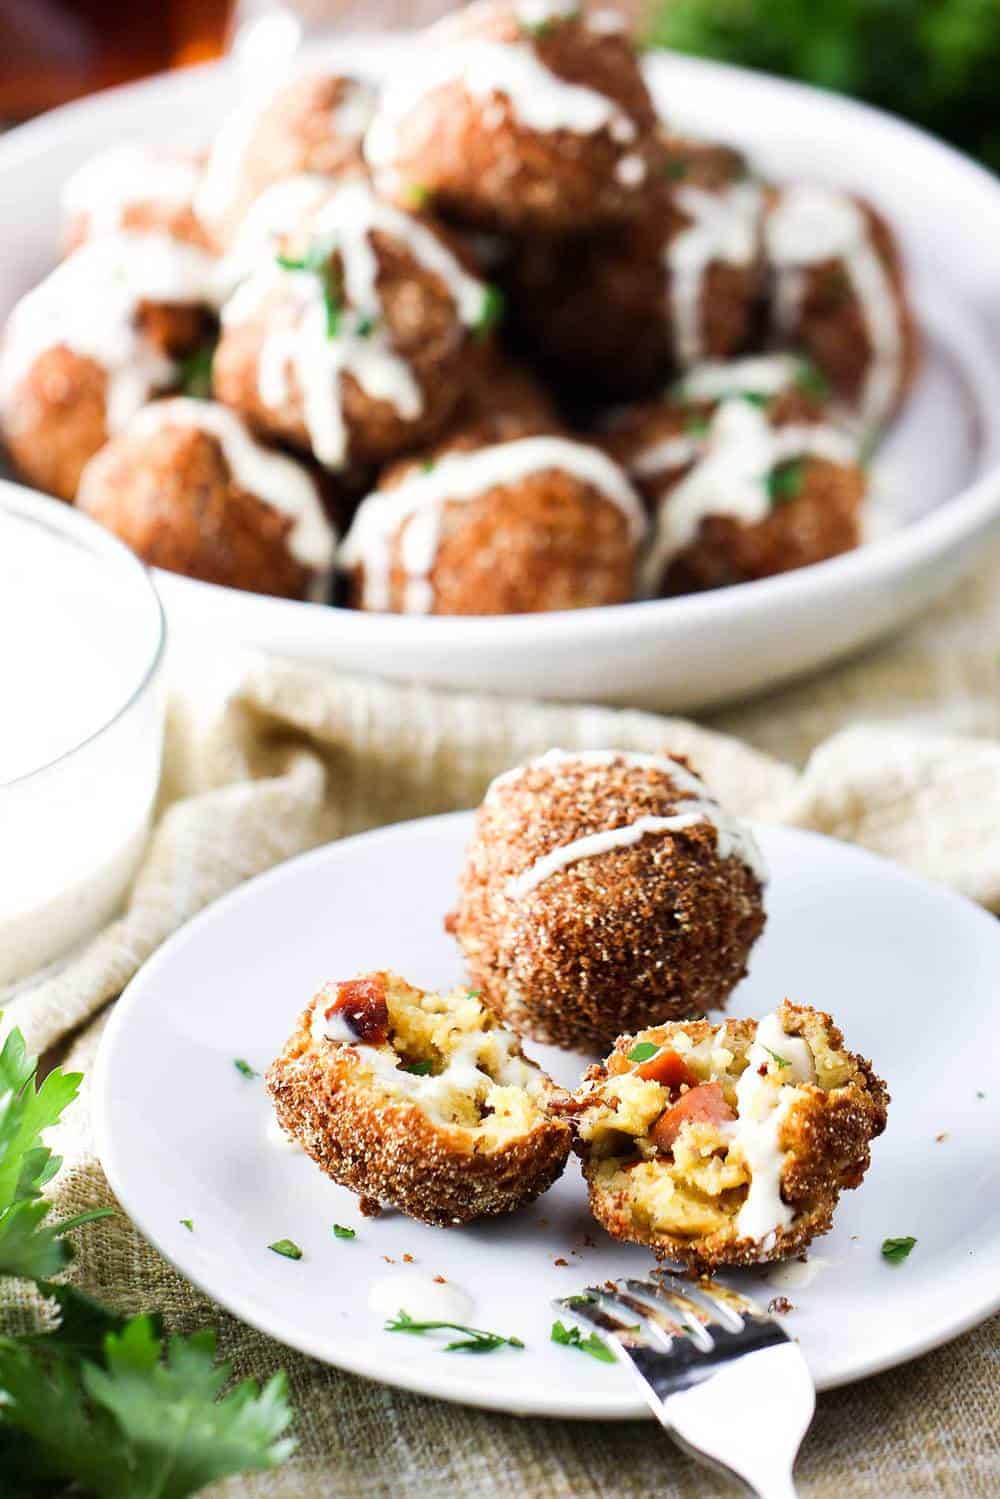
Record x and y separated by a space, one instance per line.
898 751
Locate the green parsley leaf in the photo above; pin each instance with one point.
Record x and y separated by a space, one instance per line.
571 1337
425 468
473 1341
340 1232
188 1223
419 1069
317 259
244 1067
286 1247
812 382
472 993
754 397
366 327
980 1093
196 374
491 312
676 169
697 423
781 1061
28 1245
418 195
642 1051
897 1250
130 1424
784 482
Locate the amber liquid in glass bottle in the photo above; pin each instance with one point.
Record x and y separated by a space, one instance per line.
52 51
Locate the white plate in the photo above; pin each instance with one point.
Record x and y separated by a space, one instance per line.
941 465
910 970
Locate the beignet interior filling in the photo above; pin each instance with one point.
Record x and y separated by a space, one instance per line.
687 1135
449 1054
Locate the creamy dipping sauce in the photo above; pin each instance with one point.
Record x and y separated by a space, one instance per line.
461 477
420 1296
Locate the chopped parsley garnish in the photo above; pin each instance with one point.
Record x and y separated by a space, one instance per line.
244 1067
781 1061
340 1232
491 312
287 1248
419 1069
317 259
473 1339
784 482
812 382
980 1093
425 468
696 422
676 169
472 993
196 374
418 195
366 327
897 1250
188 1223
642 1051
756 398
571 1337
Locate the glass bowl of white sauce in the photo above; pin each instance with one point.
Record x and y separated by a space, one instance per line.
81 727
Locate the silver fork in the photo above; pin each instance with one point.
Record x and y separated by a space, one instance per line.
720 1375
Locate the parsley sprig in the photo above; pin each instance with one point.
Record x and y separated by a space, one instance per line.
317 259
99 1403
642 1051
781 1061
897 1250
572 1337
784 483
474 1340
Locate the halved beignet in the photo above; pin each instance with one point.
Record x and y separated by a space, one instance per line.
729 1144
419 1100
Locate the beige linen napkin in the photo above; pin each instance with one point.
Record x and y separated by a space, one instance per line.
898 753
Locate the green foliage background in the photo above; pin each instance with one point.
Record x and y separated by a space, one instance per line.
936 62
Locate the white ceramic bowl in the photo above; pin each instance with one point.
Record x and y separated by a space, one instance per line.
941 464
82 713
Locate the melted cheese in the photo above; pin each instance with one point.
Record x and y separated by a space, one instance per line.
763 1101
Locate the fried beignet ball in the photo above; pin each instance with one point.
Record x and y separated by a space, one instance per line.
838 292
520 117
137 188
418 1100
729 1144
312 125
188 489
487 523
612 314
603 891
351 343
747 470
91 343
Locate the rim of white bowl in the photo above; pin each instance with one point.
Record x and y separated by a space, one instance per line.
55 516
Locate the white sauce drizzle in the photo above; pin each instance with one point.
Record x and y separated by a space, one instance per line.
464 477
725 227
732 462
539 99
352 116
631 170
759 374
811 224
734 840
762 1105
299 340
794 1275
89 304
421 1296
605 22
279 209
221 180
271 476
533 13
111 182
